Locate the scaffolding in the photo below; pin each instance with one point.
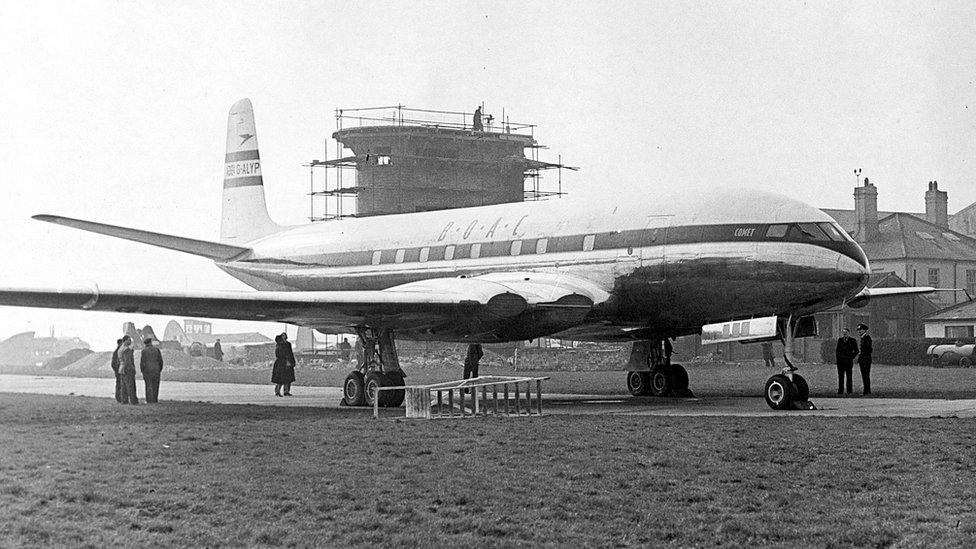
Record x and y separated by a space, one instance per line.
379 145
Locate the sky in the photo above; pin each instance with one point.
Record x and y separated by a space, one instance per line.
115 111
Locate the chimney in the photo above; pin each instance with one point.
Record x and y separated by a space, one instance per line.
937 205
866 212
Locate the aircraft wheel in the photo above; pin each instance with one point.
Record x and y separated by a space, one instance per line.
393 379
354 389
660 383
639 383
678 377
780 392
802 387
966 362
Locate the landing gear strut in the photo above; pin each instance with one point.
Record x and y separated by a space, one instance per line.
788 390
653 373
377 370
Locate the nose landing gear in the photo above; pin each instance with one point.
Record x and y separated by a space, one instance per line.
788 390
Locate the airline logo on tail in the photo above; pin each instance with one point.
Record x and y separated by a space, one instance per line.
242 165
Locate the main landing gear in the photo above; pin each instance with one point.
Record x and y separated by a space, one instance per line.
788 390
653 373
377 370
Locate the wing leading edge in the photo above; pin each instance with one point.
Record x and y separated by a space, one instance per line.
453 307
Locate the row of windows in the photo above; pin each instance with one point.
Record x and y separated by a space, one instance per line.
474 251
935 278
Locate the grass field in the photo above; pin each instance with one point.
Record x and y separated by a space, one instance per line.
84 472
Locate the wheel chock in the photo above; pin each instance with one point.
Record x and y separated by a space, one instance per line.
804 405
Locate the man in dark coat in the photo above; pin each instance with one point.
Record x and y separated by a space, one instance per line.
476 120
846 351
151 366
345 348
471 360
283 370
127 365
864 357
218 351
115 368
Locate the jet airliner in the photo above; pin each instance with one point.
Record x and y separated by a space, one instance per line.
640 267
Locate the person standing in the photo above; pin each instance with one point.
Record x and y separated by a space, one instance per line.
283 371
151 366
344 349
767 352
115 368
218 351
127 366
477 125
864 357
846 351
472 359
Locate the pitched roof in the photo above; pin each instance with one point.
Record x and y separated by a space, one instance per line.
904 236
963 311
848 220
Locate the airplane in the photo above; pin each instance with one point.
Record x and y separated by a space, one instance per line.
642 267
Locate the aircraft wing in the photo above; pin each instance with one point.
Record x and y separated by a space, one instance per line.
867 294
451 306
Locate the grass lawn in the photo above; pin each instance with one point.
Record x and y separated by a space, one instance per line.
86 472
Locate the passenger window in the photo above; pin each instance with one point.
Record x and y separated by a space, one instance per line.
449 252
541 245
424 254
516 248
777 231
399 256
376 257
475 251
588 242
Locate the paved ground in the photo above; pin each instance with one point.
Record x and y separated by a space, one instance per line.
263 395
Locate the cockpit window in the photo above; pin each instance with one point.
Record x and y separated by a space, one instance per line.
777 231
810 231
831 231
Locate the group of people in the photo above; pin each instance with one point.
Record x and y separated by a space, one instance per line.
849 349
124 366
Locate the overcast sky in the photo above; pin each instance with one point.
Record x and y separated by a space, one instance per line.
116 111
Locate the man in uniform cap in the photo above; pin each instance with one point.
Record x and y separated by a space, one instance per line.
151 366
864 356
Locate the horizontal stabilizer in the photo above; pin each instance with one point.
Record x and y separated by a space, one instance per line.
212 250
867 294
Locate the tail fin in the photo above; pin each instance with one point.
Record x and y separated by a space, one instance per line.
244 212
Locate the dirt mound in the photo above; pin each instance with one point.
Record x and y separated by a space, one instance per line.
72 356
177 360
94 361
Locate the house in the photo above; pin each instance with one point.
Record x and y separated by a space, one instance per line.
958 322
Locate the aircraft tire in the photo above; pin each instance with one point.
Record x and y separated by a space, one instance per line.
354 389
966 362
678 377
393 379
373 381
639 383
802 387
660 383
779 392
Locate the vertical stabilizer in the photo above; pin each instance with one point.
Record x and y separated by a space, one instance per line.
244 212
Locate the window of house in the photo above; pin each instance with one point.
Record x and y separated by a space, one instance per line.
959 331
376 257
516 247
924 235
777 231
399 256
588 242
934 278
971 282
383 160
541 245
950 236
475 251
449 252
424 254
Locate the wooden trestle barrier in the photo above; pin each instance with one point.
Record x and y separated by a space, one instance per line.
419 399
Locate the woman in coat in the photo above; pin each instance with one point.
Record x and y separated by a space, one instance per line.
283 371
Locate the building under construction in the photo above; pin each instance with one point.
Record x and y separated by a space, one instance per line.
395 160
